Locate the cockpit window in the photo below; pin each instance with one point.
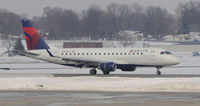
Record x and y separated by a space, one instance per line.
162 53
167 52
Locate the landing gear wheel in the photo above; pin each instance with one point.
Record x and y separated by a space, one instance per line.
158 73
106 72
93 72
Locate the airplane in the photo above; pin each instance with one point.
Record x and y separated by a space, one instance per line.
105 59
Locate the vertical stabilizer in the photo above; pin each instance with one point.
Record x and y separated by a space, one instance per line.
33 39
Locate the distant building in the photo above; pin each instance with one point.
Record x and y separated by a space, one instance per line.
192 36
131 35
170 38
184 37
195 36
85 38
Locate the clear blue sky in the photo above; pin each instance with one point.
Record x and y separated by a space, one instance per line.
35 7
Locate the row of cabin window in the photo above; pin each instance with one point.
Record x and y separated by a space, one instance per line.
102 53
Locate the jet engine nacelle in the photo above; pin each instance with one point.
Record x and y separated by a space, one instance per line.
108 67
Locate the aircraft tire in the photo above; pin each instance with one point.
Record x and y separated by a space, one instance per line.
158 73
93 72
106 72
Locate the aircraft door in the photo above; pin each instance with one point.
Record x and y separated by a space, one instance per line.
153 54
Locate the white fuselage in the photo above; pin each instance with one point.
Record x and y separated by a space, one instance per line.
134 56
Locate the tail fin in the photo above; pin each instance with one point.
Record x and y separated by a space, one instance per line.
33 39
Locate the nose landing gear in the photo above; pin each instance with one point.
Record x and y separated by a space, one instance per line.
93 72
158 71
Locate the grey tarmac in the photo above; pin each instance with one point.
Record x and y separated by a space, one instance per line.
71 98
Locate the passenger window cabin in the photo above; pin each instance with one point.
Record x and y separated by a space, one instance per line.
167 52
111 54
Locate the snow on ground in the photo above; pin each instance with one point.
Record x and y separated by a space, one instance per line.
93 83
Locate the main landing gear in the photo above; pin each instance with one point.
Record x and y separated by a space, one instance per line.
93 72
158 71
106 72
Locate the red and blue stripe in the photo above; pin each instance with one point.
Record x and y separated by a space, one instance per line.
33 39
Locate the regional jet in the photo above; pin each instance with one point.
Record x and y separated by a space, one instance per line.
105 59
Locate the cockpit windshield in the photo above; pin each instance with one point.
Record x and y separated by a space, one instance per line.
165 52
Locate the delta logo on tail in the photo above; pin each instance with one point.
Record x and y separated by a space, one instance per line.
33 39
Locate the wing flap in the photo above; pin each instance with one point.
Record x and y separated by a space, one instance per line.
84 61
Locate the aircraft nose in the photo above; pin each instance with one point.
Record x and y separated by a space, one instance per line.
175 61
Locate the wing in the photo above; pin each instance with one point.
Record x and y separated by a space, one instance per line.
83 61
79 62
75 62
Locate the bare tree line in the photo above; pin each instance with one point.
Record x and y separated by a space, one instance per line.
9 23
98 23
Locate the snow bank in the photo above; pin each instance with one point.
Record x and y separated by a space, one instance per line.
102 84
